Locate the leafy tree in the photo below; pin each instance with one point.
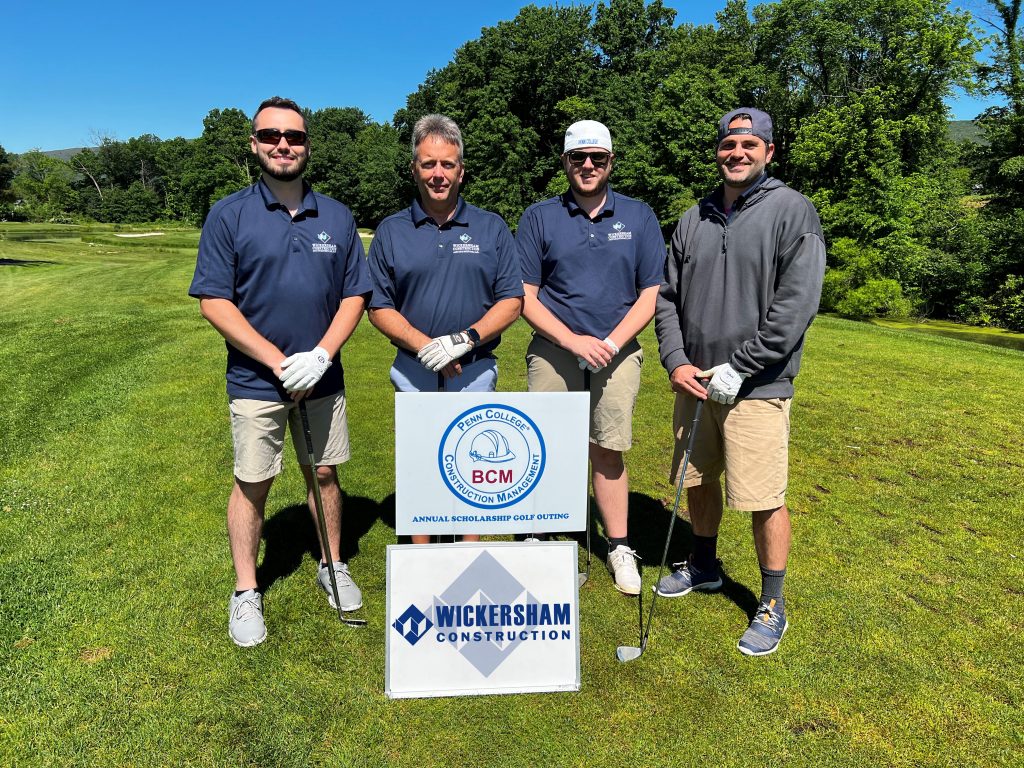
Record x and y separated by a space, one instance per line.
333 162
6 175
216 164
6 171
383 183
43 188
507 90
226 135
172 158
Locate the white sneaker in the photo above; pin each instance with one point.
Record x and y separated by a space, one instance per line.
622 565
351 597
245 619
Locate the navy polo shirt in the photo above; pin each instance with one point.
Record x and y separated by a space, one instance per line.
287 276
590 272
443 278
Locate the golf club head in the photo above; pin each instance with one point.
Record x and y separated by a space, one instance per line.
626 653
583 577
353 622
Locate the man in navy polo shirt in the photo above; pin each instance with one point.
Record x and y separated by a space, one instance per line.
446 276
593 260
281 276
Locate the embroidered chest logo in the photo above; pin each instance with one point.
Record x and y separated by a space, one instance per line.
325 245
465 244
619 233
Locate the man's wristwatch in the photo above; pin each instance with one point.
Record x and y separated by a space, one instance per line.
473 335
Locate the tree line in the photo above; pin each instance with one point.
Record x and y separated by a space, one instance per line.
916 224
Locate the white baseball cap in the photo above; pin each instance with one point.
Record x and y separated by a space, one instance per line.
587 134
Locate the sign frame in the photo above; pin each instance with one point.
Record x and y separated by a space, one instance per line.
491 462
442 595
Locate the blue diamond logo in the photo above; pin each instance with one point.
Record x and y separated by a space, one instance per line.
465 238
412 625
323 237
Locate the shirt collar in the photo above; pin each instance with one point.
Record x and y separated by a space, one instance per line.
569 201
460 217
308 198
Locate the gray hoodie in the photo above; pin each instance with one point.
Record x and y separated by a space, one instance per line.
744 289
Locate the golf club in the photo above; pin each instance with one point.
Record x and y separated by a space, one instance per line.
626 653
321 520
441 388
583 577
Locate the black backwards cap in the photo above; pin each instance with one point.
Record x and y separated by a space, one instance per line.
761 124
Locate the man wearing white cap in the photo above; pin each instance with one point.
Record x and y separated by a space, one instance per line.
593 261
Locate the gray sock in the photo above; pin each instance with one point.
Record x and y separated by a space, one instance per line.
771 587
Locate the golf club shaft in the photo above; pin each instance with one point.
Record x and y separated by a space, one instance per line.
672 522
586 388
319 503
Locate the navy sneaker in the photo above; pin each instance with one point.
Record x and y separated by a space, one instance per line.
765 631
685 578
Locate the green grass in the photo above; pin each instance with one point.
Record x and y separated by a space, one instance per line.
905 588
997 337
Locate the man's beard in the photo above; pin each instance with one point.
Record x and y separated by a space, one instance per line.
289 175
578 189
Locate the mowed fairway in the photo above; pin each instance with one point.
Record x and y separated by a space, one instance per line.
905 590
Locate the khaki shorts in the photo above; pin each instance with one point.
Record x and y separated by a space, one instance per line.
613 389
257 427
748 440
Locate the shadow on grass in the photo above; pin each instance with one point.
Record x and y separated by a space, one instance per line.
648 525
290 536
24 262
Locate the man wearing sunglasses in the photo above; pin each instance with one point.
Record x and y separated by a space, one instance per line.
281 275
743 279
592 263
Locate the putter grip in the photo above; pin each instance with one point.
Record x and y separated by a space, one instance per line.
306 432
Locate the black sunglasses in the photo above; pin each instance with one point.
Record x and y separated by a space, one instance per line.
599 159
273 136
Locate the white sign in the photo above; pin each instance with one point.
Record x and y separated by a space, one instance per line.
490 462
465 619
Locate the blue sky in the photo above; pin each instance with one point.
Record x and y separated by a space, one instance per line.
123 69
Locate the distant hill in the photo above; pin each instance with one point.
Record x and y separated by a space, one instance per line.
64 154
965 130
60 154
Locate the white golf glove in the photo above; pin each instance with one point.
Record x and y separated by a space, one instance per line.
584 364
445 349
304 369
725 383
595 368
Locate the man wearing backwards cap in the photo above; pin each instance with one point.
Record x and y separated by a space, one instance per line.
743 279
592 264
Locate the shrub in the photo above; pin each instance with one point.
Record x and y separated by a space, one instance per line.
876 298
1008 304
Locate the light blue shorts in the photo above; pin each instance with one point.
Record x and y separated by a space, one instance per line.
409 375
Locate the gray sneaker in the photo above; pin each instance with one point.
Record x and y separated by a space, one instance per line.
684 579
765 631
245 619
351 597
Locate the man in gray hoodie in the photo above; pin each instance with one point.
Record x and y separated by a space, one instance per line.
743 279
